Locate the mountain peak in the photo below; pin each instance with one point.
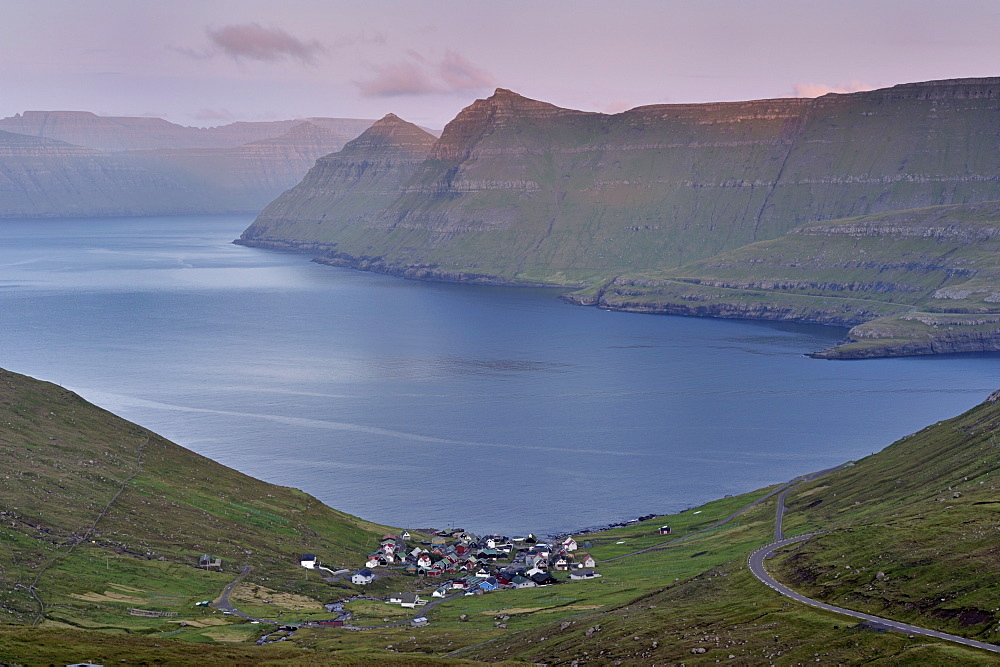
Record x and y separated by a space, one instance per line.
392 131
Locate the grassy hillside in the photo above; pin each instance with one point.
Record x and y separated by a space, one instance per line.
925 513
892 512
100 515
910 282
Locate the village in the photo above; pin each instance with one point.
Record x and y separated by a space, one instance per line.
468 564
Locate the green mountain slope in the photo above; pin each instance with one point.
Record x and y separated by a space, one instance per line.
99 515
517 190
343 191
911 533
919 281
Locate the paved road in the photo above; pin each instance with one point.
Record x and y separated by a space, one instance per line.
756 563
223 604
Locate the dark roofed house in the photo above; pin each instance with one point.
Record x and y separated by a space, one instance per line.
584 574
362 577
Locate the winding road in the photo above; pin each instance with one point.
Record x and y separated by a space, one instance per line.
756 564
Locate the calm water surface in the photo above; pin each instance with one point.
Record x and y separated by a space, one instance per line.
423 404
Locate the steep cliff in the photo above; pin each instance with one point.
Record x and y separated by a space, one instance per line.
344 191
523 191
921 281
49 178
247 177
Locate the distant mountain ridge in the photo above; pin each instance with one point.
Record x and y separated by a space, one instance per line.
521 191
45 177
124 133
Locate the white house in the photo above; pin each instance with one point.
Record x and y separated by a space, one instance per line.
362 577
569 544
308 561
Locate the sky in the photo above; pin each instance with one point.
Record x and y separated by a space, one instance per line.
211 62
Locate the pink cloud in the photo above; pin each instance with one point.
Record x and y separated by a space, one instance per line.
398 79
255 42
458 74
419 75
818 89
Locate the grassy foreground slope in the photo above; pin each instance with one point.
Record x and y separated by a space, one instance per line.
918 281
100 515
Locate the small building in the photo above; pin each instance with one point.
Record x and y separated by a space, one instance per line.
207 562
584 560
419 622
308 561
405 535
523 582
664 530
362 577
409 600
584 574
569 544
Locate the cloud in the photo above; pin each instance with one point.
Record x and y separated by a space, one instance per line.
817 89
458 74
418 75
255 42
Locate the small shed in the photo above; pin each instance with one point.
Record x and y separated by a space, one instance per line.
308 561
664 530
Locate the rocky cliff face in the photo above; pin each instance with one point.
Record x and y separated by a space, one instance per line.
922 281
246 177
48 178
344 191
521 190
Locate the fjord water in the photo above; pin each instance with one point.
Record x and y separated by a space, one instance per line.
422 404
